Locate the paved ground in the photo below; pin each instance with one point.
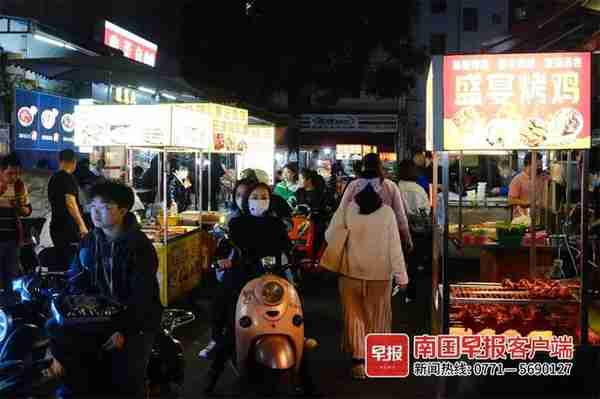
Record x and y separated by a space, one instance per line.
322 312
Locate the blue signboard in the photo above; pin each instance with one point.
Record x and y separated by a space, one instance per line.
43 122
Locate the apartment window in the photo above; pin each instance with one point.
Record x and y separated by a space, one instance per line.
496 19
437 43
521 13
470 19
438 6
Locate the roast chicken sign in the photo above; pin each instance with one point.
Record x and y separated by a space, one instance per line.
517 101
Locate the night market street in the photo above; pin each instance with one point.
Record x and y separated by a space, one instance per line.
323 321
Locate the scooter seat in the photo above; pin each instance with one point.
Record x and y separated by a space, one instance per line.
11 366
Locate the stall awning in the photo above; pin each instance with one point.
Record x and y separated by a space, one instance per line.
105 69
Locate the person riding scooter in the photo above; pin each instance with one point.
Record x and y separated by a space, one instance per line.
219 303
257 234
118 261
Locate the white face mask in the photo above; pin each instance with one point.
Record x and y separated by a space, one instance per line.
258 207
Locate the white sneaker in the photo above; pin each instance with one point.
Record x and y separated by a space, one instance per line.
205 353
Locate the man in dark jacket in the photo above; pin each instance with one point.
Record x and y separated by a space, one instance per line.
117 260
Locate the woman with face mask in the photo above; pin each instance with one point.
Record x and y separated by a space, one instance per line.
257 233
219 303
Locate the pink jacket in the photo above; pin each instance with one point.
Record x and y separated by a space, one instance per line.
390 195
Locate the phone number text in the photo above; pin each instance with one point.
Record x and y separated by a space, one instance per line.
490 369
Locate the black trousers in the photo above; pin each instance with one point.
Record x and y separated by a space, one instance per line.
421 256
65 241
89 369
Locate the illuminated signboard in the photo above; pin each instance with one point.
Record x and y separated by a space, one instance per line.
517 101
44 122
132 46
141 125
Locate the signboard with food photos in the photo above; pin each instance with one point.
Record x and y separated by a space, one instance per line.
517 101
229 126
44 122
141 125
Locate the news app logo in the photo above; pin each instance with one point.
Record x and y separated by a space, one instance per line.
387 355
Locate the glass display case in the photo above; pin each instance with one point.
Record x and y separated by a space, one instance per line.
499 270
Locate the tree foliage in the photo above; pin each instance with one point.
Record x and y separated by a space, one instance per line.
253 49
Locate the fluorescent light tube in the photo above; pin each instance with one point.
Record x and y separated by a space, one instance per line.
147 90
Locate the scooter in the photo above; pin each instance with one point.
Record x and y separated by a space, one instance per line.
269 331
24 343
23 340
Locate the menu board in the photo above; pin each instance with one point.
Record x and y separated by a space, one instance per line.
191 129
133 125
141 125
261 150
228 133
517 101
44 122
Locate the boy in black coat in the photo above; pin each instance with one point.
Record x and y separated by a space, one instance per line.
117 260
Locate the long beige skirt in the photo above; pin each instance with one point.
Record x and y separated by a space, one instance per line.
367 309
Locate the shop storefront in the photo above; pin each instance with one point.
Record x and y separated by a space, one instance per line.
62 73
345 137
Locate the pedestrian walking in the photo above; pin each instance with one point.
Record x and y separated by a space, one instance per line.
418 209
371 259
372 172
67 227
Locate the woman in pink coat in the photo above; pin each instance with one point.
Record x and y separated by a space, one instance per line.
386 189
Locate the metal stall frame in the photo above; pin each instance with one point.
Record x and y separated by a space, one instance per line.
441 158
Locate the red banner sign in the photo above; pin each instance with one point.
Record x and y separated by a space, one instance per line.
517 101
133 46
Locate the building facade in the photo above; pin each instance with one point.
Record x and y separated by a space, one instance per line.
453 26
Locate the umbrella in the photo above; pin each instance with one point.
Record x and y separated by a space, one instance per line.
104 69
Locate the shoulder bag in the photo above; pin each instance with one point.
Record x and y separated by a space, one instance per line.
333 256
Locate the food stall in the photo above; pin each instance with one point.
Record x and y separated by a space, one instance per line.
183 248
220 165
512 102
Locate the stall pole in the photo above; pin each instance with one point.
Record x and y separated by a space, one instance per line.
585 266
445 280
460 194
164 202
199 180
533 214
130 166
209 196
109 88
569 183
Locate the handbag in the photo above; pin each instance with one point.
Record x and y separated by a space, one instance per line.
420 223
335 251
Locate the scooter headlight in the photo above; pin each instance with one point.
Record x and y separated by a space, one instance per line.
272 293
4 324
